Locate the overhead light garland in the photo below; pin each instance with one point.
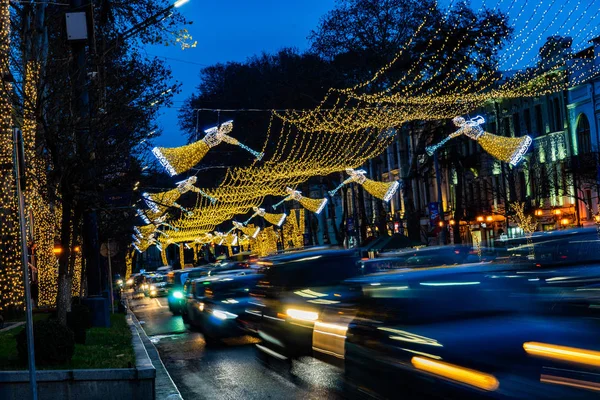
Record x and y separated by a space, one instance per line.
349 126
507 149
178 160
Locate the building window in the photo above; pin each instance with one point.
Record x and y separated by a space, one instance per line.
539 120
558 126
527 118
584 141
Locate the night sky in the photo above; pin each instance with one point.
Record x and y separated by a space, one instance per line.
233 30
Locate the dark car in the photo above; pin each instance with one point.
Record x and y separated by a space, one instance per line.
288 300
218 304
175 283
193 288
155 286
456 333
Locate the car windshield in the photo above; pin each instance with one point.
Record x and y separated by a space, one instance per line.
231 286
312 272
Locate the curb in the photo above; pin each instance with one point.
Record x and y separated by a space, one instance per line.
165 388
12 326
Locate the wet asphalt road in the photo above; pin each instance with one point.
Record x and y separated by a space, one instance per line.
230 371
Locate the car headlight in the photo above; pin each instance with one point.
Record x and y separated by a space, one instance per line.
130 281
302 315
178 295
201 306
120 282
153 287
224 314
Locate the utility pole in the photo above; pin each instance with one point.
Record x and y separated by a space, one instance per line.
84 148
438 179
19 158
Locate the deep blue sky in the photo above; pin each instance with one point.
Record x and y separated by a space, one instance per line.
233 30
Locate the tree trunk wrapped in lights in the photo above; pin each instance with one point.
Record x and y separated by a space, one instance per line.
275 219
381 190
266 242
177 160
314 205
293 230
527 224
507 149
11 282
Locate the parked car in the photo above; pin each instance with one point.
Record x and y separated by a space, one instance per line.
289 298
461 333
218 304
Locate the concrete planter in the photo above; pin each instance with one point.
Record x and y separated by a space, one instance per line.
89 384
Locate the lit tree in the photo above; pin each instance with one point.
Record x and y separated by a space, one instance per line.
527 224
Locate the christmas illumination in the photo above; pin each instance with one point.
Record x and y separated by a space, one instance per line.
314 205
180 159
381 190
11 284
249 230
293 230
275 219
507 149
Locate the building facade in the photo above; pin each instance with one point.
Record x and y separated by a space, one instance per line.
558 179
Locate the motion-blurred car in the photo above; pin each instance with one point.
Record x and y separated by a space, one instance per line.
456 333
193 288
155 286
215 313
288 300
175 286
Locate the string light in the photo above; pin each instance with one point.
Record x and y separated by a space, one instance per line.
11 284
356 126
181 159
507 149
275 219
381 190
293 230
314 205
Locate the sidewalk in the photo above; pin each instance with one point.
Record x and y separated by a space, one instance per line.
165 388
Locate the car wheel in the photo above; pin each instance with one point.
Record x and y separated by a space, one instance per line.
211 341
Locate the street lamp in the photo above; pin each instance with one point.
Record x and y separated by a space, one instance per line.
480 218
564 222
452 222
489 218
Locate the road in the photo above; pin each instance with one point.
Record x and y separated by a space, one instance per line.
230 371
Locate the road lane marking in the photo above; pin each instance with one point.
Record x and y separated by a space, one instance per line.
158 302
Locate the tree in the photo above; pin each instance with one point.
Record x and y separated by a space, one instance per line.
87 155
285 79
361 36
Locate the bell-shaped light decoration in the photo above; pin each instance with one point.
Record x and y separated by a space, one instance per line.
381 190
249 230
177 160
314 205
